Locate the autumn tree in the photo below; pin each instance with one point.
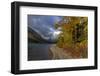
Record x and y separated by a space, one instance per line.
74 33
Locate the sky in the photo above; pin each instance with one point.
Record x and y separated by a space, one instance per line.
43 24
41 20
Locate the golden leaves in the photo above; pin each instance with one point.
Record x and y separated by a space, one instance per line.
73 38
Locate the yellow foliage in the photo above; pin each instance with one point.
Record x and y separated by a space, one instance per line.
74 33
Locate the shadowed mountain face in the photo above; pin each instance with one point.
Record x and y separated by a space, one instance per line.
42 28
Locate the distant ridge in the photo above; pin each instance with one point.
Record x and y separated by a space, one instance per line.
37 37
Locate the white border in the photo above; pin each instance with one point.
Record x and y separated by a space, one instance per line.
26 65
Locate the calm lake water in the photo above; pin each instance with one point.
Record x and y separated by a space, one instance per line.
37 51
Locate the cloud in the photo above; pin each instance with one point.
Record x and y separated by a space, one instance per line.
43 24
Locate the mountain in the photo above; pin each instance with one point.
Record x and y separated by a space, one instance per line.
36 36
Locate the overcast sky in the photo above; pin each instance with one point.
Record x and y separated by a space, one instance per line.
43 24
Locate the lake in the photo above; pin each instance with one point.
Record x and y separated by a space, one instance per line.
39 51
